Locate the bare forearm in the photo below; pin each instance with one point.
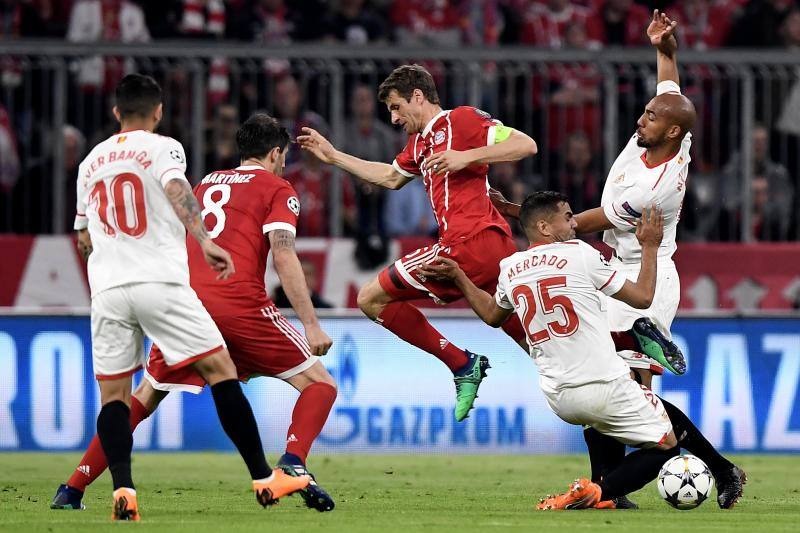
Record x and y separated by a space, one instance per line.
481 301
592 220
84 244
646 281
667 65
290 272
186 208
374 172
516 147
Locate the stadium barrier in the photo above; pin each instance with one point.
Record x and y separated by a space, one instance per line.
45 272
741 389
549 94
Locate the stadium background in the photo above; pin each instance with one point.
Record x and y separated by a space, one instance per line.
574 75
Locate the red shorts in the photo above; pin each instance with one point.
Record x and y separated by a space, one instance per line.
479 257
261 343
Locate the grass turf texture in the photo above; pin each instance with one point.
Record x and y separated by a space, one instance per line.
210 492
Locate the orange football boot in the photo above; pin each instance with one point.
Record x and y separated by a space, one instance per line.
582 494
606 504
277 485
125 505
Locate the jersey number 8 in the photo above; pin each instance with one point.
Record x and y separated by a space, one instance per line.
214 207
525 299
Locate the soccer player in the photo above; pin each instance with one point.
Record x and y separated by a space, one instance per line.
241 206
133 204
651 169
555 287
451 151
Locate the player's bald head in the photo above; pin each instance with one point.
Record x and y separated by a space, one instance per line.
676 109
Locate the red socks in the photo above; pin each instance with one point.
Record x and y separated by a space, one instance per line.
94 462
408 323
309 415
623 340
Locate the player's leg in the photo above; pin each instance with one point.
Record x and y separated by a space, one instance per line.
93 463
317 394
263 343
634 415
406 321
729 477
116 439
173 316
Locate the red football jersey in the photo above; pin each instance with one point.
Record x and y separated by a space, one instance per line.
460 200
240 207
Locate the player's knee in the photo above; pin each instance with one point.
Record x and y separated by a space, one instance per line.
368 299
669 442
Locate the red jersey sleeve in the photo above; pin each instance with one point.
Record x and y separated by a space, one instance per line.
406 161
283 210
472 128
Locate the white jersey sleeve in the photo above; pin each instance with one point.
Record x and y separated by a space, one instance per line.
501 296
170 162
81 222
604 277
626 209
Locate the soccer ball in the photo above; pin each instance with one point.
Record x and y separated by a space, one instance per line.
685 482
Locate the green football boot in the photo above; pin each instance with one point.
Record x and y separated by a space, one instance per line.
655 345
467 381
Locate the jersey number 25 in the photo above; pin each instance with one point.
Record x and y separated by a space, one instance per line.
525 298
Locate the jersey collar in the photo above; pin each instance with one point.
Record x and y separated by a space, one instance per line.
649 166
249 167
429 125
540 243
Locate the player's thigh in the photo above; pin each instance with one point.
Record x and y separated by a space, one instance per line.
164 378
174 318
401 280
117 340
263 343
633 415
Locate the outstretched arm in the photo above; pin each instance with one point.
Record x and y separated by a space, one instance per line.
380 174
290 272
481 301
661 32
185 205
517 146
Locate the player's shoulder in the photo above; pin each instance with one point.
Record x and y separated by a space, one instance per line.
272 183
468 112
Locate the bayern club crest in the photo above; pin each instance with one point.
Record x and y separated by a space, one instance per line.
439 137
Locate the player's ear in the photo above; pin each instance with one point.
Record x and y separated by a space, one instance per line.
159 112
117 116
674 132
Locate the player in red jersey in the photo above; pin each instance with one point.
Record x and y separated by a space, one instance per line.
451 151
240 207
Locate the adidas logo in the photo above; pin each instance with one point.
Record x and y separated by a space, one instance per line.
291 438
443 343
84 469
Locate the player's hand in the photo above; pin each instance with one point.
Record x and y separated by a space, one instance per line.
650 227
661 32
441 268
447 161
314 142
318 340
506 208
218 259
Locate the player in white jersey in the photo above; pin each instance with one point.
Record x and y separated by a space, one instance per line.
134 202
555 287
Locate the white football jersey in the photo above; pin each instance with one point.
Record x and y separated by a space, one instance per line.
555 289
632 185
136 235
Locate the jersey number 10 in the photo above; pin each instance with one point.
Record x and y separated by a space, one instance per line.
127 205
524 298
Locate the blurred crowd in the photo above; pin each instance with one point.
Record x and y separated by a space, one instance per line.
566 102
544 23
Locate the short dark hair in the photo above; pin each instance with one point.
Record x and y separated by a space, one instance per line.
539 205
259 135
404 79
137 95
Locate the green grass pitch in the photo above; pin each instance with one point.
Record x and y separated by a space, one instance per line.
210 492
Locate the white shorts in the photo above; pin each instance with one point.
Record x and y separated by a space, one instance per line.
622 409
621 316
169 313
